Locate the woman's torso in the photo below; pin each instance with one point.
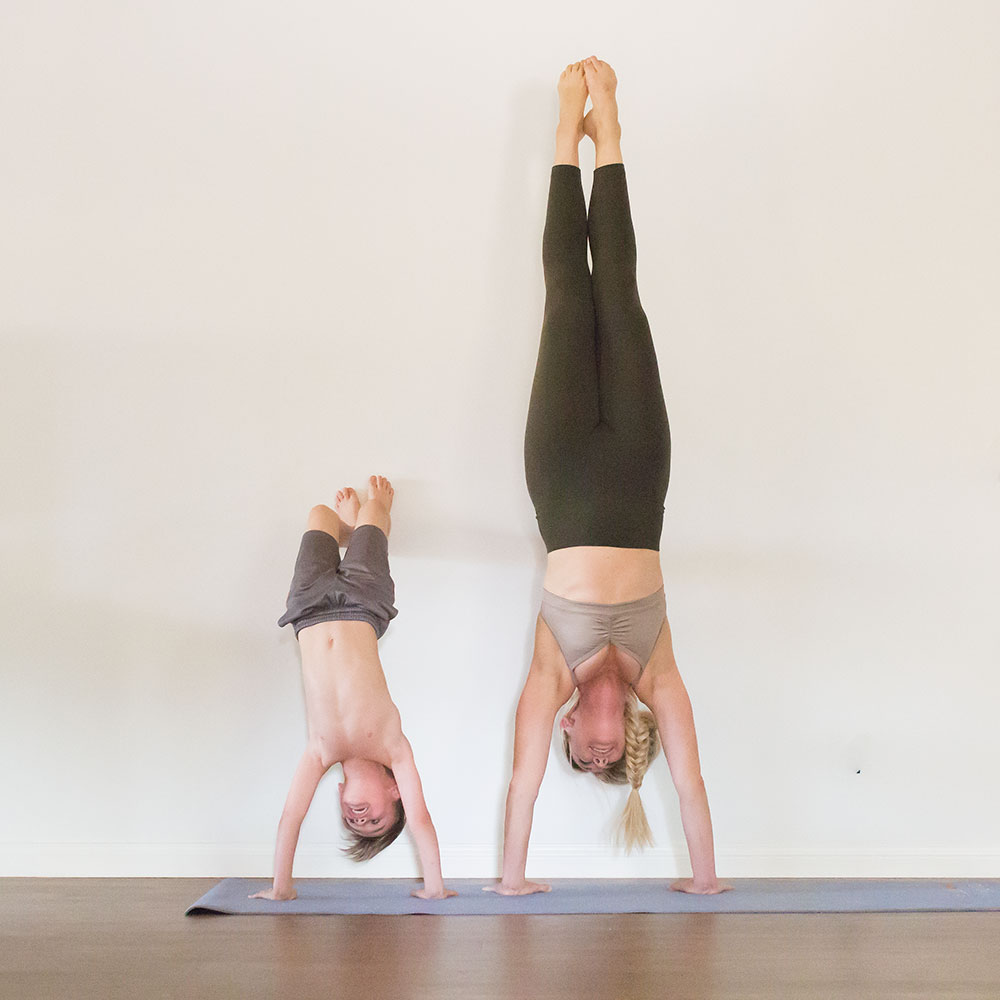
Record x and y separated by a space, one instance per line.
348 709
604 575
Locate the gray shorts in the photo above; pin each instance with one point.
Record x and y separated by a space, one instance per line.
326 588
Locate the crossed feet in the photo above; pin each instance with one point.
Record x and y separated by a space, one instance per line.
595 79
348 503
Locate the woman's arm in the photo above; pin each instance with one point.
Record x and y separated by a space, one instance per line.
544 691
418 819
310 769
675 721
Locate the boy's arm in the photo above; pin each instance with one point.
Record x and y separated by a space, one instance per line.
418 819
310 769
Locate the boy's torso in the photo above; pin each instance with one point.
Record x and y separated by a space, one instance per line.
348 708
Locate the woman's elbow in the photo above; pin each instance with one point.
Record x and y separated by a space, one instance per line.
522 789
290 820
690 787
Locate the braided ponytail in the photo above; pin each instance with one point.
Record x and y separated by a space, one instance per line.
642 744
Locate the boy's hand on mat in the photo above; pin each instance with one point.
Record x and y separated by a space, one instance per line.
524 889
274 894
698 888
426 893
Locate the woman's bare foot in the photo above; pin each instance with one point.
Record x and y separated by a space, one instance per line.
602 85
347 505
380 490
602 124
572 101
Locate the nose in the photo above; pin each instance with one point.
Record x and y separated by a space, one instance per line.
601 760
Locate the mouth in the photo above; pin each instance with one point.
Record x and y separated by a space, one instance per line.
356 811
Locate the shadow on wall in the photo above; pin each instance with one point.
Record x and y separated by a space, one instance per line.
512 325
430 526
500 372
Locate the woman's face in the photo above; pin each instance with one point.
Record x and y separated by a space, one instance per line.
596 735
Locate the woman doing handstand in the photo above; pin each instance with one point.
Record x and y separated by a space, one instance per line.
597 461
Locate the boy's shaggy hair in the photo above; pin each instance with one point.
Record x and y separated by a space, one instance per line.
365 848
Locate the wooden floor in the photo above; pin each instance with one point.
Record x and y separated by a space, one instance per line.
118 938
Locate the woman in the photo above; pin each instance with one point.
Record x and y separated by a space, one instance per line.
597 459
339 609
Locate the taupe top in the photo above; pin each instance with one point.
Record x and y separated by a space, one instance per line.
582 629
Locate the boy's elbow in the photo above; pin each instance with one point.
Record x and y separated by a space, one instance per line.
420 824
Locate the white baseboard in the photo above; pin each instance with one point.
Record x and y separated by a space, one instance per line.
474 861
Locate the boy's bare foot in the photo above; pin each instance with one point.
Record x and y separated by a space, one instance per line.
572 100
602 85
347 506
380 490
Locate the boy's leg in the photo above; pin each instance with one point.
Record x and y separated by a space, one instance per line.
375 510
323 518
365 567
317 561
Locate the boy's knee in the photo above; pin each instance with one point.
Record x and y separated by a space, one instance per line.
322 517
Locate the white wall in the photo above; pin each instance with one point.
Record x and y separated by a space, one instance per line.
252 252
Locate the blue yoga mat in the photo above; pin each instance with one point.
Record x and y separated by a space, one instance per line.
749 895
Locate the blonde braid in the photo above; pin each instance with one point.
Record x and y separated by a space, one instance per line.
641 746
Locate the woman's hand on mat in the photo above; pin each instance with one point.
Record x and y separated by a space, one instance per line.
426 893
274 894
699 888
524 889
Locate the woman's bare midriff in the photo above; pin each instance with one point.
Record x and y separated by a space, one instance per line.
600 574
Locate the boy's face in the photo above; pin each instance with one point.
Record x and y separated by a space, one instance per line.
368 804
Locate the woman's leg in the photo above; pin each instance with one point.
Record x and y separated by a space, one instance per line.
631 396
564 392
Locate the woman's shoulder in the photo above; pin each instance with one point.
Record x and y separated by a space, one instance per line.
549 671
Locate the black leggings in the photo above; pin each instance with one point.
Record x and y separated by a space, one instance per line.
597 443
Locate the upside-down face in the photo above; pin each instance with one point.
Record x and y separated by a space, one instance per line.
369 805
596 735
